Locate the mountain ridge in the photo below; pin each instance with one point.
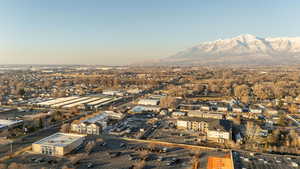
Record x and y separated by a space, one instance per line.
243 49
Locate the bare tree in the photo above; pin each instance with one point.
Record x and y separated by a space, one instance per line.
65 128
17 166
89 147
140 165
167 102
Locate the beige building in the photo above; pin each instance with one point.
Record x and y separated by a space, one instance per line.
194 124
214 129
218 135
87 128
237 109
200 114
255 109
94 125
58 144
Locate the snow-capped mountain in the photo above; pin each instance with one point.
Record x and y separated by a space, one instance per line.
243 49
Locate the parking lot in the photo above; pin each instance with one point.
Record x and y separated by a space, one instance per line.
246 160
119 154
135 126
168 132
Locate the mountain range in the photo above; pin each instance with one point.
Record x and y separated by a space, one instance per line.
244 49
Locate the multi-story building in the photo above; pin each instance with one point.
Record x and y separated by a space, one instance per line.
94 125
194 124
87 128
215 129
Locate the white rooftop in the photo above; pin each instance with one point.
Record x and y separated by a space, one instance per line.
6 123
99 117
60 139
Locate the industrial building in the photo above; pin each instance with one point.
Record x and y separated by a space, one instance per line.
5 124
58 144
88 102
56 101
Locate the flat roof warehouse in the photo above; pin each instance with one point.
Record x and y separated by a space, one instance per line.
60 139
8 123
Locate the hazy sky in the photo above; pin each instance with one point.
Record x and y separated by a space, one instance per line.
123 31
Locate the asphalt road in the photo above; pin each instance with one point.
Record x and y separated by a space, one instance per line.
33 137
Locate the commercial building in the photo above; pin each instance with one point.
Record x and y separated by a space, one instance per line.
237 109
58 144
222 107
255 109
113 115
177 114
200 114
141 109
151 102
205 107
202 106
134 91
113 93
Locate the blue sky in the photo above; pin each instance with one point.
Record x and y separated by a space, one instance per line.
117 32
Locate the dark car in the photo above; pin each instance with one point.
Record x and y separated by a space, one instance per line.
114 154
89 165
122 145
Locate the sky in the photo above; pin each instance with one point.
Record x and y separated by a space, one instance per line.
120 32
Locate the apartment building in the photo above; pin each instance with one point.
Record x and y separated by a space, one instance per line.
215 129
